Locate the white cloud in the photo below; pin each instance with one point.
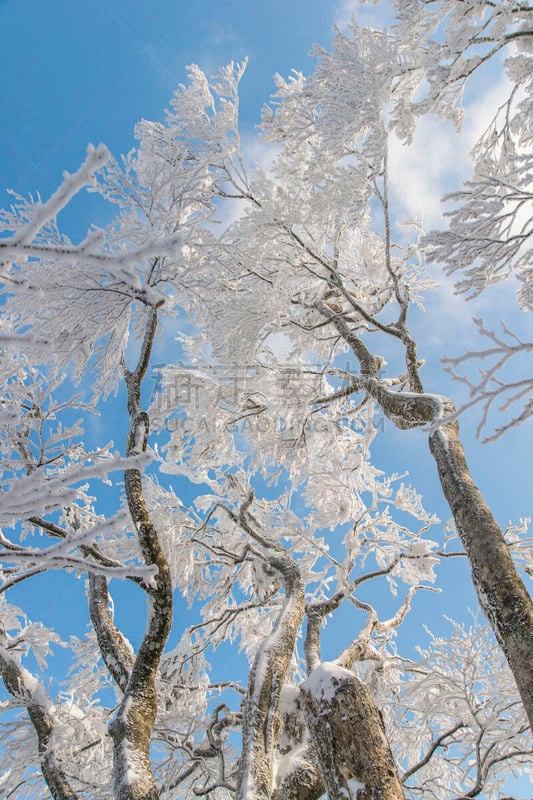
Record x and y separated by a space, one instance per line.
438 160
481 104
420 173
366 15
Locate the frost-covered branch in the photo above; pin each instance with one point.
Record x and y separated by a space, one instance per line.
43 213
116 650
492 386
437 742
267 676
131 729
30 692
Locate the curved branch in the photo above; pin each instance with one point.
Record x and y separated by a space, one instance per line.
133 724
116 651
432 749
25 687
268 672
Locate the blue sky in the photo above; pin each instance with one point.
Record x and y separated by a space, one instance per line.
74 73
87 72
78 73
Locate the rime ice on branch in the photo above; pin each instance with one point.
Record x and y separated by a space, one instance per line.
268 411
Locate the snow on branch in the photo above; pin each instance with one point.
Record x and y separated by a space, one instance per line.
107 261
30 560
72 184
490 233
36 493
495 386
461 691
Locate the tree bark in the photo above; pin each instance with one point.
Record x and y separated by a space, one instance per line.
116 651
303 782
22 685
296 767
261 718
349 737
502 594
131 730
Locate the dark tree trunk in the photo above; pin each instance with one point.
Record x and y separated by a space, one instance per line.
349 737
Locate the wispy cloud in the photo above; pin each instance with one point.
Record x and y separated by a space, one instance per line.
221 45
438 160
420 173
369 15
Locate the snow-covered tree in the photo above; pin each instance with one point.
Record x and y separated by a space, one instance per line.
489 235
263 417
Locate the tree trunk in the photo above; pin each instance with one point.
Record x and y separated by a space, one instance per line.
502 594
349 736
261 718
296 767
115 649
131 730
22 685
303 782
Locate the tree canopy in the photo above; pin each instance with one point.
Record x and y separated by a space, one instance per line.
287 301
